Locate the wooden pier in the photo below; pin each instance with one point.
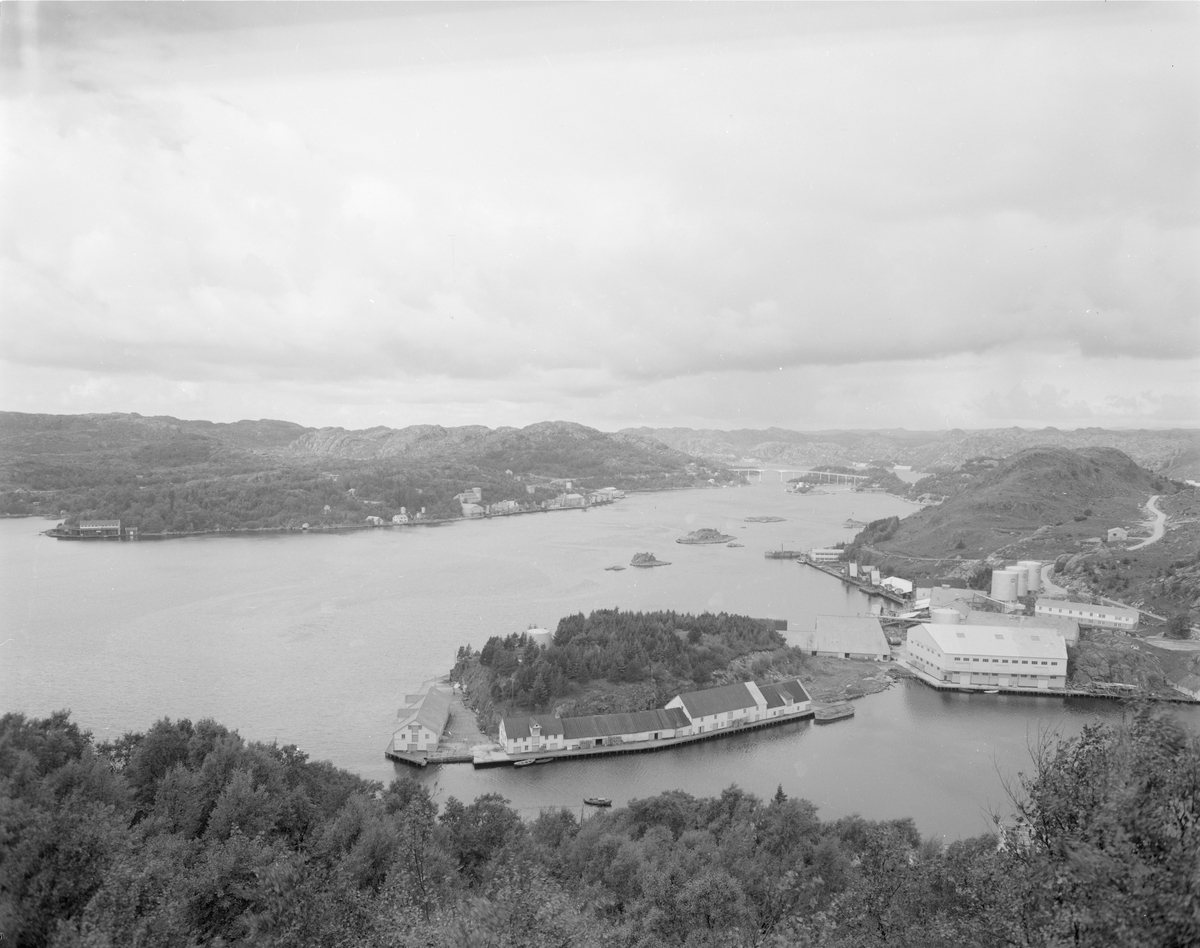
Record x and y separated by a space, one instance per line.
871 590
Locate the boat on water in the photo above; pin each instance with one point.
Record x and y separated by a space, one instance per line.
833 712
991 691
597 801
530 761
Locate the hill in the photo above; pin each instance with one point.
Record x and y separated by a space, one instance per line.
165 474
1059 495
1174 452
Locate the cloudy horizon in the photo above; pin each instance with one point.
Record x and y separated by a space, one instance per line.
811 216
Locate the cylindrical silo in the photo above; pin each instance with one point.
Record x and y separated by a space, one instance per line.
1004 585
874 577
1034 569
1022 579
854 571
944 616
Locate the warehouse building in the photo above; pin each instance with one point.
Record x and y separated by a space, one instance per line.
989 656
845 637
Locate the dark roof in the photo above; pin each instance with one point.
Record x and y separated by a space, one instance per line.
774 693
700 704
518 727
430 710
634 722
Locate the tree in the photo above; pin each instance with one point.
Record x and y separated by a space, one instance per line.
1179 626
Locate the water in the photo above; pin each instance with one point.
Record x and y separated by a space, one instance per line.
312 639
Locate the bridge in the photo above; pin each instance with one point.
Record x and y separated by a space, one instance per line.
835 477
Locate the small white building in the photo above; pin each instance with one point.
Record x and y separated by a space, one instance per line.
715 708
827 555
845 637
401 517
1096 615
472 510
472 495
421 721
989 656
1117 535
896 584
375 521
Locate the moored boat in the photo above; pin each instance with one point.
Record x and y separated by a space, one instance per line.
833 712
597 801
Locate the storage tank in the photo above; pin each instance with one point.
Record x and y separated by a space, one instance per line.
1034 569
945 616
1022 579
874 577
1004 585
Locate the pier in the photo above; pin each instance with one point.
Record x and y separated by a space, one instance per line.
871 590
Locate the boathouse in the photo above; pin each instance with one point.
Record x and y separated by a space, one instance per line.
846 637
990 656
421 721
532 733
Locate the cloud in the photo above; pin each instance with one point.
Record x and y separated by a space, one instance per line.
600 219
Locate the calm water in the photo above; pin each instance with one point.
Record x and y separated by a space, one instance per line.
312 639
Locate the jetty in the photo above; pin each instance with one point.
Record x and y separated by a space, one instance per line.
870 589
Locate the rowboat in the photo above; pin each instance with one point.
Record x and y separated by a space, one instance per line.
530 761
597 801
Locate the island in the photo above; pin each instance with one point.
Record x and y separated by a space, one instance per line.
765 519
705 535
646 560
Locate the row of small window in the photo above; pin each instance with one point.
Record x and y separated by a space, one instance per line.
1003 661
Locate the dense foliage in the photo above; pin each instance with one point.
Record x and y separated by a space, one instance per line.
188 835
167 475
670 651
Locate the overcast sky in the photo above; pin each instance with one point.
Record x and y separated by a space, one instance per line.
620 214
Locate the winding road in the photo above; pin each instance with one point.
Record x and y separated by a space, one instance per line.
1160 524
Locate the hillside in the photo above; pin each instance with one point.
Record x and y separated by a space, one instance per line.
1174 452
167 475
1059 495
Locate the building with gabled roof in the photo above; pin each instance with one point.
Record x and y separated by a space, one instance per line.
1185 682
990 656
785 697
845 637
421 721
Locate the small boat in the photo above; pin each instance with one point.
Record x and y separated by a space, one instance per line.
597 801
991 691
833 712
543 760
530 761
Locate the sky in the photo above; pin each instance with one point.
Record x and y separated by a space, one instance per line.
724 216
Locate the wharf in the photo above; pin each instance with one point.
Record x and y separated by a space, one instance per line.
498 758
868 588
1035 692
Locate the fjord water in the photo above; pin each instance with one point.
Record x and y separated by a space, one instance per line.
314 638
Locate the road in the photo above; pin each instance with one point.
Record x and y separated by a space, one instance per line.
1160 524
1049 588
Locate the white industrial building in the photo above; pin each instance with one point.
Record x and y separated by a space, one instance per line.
845 637
828 555
1067 628
989 656
420 722
896 584
1088 613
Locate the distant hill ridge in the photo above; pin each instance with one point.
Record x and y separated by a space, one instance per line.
1174 452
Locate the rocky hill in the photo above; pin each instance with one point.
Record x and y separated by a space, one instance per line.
1174 452
1059 495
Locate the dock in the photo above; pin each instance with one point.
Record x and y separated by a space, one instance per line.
871 590
498 758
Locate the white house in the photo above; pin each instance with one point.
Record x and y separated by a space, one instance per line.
536 733
845 637
1087 613
419 724
1187 683
989 656
1117 535
472 510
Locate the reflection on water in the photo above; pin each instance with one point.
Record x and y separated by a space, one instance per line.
941 758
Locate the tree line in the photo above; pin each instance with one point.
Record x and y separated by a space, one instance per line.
188 835
667 650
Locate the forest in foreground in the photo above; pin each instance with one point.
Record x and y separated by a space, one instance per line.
189 835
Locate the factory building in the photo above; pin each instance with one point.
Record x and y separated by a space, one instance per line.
1097 615
989 656
845 637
